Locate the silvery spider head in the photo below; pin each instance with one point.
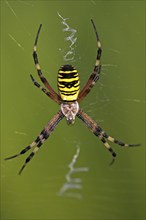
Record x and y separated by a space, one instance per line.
70 110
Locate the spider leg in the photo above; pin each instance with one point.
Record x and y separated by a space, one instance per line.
32 154
22 151
45 90
118 142
103 136
45 133
96 71
97 130
43 79
108 147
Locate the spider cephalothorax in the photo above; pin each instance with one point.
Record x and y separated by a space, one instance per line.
70 111
68 97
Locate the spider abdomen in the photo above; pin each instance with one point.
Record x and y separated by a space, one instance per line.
68 83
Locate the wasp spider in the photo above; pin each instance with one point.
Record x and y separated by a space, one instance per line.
68 98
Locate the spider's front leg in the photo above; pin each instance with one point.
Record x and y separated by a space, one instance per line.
45 133
36 61
103 136
96 71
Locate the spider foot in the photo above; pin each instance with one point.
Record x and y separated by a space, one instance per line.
26 161
8 158
21 152
21 169
133 145
112 162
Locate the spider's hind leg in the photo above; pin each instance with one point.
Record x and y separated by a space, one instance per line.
45 133
109 148
118 142
22 151
102 135
31 155
37 140
96 130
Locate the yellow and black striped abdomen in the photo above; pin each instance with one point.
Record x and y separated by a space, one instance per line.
68 83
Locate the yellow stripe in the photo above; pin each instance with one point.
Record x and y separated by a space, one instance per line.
68 89
69 98
107 145
38 66
97 63
35 149
68 80
111 139
71 71
34 48
99 44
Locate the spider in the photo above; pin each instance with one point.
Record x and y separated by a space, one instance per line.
69 98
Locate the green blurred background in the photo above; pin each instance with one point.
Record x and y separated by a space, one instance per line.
116 102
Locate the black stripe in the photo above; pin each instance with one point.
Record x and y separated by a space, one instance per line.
98 131
68 94
67 67
103 140
119 142
67 76
37 139
66 101
25 150
35 57
75 91
30 156
69 84
99 53
39 144
36 84
68 87
113 153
